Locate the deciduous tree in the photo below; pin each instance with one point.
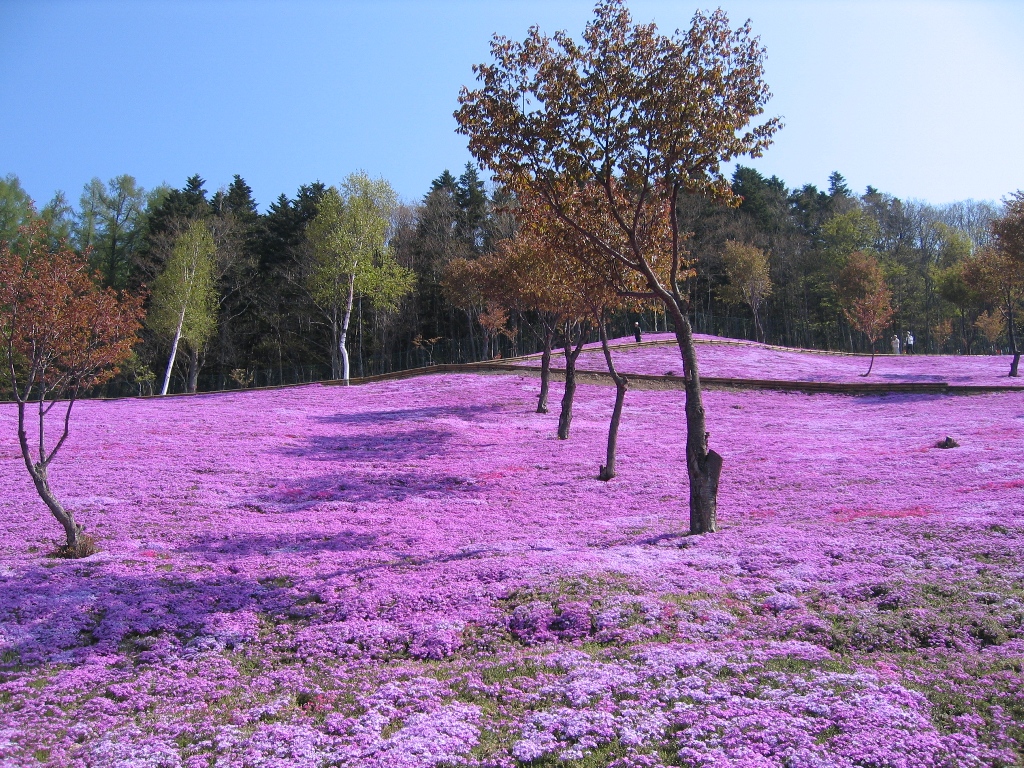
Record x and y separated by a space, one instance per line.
865 298
750 282
1008 242
643 117
351 255
61 335
184 305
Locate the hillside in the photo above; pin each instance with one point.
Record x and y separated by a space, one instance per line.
418 573
731 358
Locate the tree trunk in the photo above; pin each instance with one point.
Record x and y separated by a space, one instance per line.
37 470
872 363
359 319
1013 338
621 384
758 330
545 371
335 357
703 466
565 416
174 352
193 370
344 327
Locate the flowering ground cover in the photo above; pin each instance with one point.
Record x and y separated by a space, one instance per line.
728 358
418 573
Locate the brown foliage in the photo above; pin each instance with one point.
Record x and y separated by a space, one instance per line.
866 300
606 133
60 335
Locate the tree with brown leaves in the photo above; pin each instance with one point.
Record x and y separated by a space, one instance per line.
865 298
1005 266
642 117
61 336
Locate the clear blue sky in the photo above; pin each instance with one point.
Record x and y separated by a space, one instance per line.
920 99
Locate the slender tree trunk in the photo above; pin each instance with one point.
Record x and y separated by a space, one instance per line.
703 466
359 319
545 370
621 384
757 326
565 416
37 470
174 352
193 370
872 363
344 327
335 359
1013 337
472 338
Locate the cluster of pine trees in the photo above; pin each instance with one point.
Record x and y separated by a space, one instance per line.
771 269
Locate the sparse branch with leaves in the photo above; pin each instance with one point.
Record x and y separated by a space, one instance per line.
351 256
633 118
61 336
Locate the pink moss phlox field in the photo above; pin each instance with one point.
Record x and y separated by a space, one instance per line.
736 359
418 573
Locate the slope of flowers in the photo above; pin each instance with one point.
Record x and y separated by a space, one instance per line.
728 358
417 573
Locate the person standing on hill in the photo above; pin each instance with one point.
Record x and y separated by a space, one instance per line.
636 333
908 344
895 344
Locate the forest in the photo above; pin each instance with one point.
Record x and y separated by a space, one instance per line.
263 320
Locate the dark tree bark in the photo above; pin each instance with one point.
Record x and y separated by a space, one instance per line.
872 363
38 469
545 369
621 384
571 353
704 466
1013 338
193 369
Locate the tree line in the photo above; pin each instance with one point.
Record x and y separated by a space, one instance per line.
267 309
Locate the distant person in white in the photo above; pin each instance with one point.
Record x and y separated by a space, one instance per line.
908 344
895 344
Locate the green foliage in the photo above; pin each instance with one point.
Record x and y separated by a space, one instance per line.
847 232
111 224
15 207
184 295
349 236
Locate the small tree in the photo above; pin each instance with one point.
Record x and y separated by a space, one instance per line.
999 277
351 255
1008 242
750 282
61 336
990 324
865 298
185 296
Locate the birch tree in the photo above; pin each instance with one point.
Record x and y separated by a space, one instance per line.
351 256
184 304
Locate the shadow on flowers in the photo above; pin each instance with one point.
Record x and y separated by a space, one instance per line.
72 612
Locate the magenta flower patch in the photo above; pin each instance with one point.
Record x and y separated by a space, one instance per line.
418 573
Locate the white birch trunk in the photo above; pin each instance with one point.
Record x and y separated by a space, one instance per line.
174 352
344 326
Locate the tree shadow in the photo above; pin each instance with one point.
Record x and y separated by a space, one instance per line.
91 612
375 465
406 414
396 446
218 547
